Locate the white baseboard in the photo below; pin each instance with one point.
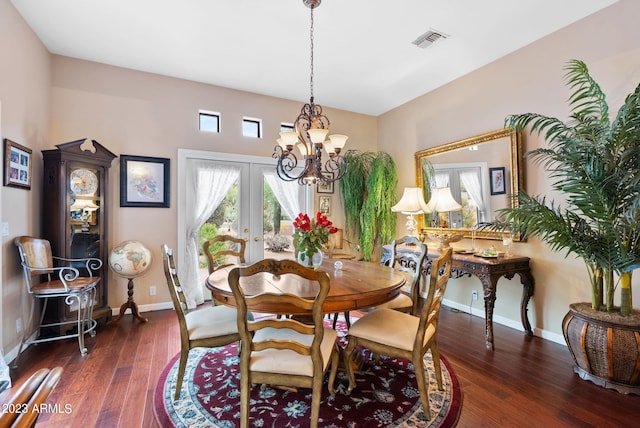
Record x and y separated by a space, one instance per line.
146 308
497 319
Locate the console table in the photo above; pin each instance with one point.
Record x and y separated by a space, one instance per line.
488 270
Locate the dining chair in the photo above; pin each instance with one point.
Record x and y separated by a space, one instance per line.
23 407
410 299
284 351
385 331
336 247
219 247
51 277
209 327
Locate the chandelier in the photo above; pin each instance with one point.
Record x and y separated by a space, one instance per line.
311 129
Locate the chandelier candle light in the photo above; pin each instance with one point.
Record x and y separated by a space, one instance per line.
311 129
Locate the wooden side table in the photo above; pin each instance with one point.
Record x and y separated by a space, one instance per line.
488 271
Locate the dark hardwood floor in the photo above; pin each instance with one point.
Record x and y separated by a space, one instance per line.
524 382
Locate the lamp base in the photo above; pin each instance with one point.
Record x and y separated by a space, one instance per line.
444 238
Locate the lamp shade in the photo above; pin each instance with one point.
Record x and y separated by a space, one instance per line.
442 201
412 202
84 204
289 138
338 140
317 136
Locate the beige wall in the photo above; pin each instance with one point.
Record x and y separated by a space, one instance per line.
135 113
530 79
47 100
25 97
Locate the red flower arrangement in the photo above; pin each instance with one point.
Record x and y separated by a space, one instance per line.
312 234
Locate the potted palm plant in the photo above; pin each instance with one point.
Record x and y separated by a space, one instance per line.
595 162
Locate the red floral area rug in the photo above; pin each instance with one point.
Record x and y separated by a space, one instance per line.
386 395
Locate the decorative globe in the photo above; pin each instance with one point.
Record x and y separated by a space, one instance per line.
130 259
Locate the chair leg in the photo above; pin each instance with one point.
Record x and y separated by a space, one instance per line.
82 304
346 318
435 355
423 385
184 355
28 322
347 359
316 395
245 395
334 369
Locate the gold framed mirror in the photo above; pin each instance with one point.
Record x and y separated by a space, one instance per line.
482 172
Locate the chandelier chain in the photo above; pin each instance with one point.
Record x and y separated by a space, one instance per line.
311 42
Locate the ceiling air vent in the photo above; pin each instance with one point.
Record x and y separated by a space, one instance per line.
429 38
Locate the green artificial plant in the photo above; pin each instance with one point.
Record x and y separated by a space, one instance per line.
595 162
368 191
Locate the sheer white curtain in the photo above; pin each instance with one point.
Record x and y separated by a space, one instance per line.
209 183
471 182
441 179
286 192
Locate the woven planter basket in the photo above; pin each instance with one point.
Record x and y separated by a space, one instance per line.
605 347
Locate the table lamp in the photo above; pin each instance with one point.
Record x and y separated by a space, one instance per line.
442 202
86 206
411 203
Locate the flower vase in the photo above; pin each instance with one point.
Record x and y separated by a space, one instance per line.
313 262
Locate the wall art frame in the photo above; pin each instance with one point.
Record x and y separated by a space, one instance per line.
326 188
497 180
144 181
325 205
17 165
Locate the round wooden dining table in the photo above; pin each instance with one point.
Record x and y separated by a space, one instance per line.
358 285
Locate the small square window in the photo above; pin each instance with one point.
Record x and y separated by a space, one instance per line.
287 127
209 121
251 127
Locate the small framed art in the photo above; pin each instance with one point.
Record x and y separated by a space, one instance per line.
327 187
497 181
17 165
144 182
325 205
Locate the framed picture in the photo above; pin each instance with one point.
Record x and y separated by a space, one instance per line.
325 188
497 181
17 165
325 205
144 182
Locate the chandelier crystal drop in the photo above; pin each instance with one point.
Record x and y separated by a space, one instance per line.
309 139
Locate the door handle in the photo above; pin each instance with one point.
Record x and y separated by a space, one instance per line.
256 239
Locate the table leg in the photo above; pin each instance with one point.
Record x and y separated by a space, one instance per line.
489 289
130 304
527 291
489 285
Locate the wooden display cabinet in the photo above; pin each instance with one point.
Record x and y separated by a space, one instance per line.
75 213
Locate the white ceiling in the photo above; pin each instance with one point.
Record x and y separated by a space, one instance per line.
364 59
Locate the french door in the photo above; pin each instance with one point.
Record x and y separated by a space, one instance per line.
257 206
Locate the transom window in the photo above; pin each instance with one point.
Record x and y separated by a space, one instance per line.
209 121
251 127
